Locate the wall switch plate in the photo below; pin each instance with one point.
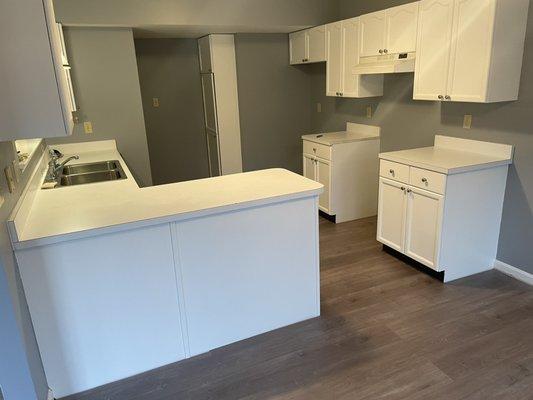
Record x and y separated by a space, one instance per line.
155 101
318 107
467 121
88 127
369 111
10 178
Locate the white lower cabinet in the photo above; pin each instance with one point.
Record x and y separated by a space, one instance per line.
409 221
319 170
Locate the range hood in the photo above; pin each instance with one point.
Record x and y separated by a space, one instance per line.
387 64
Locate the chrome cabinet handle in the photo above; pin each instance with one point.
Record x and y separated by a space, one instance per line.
391 171
424 180
380 51
409 190
441 97
402 189
447 97
385 51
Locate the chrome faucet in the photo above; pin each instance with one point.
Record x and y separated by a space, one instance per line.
54 167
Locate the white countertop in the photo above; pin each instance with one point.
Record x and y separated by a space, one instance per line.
332 138
446 160
72 212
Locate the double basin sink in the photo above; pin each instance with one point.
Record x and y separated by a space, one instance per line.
81 174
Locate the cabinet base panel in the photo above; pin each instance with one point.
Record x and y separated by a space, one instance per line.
413 263
330 218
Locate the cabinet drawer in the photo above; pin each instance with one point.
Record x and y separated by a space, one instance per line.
392 170
429 180
318 150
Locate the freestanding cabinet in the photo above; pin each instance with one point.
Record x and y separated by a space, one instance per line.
218 72
346 163
35 97
442 205
470 50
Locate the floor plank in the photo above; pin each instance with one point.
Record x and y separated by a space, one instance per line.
387 331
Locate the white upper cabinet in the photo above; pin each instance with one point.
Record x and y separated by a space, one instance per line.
372 34
34 92
308 46
400 36
316 44
342 42
204 51
470 50
390 31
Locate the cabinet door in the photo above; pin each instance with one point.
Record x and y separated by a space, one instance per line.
423 226
316 41
310 168
471 50
350 41
323 176
210 106
334 58
212 152
391 213
372 33
433 49
204 51
298 47
401 29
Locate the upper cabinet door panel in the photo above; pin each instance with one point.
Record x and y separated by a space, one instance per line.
350 33
335 58
204 51
298 47
372 33
471 50
433 49
210 106
316 41
401 28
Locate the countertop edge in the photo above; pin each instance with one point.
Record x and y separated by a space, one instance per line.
120 227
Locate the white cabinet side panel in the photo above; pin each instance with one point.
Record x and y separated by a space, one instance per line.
249 272
109 312
227 100
471 222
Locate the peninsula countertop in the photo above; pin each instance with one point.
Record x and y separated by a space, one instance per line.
72 212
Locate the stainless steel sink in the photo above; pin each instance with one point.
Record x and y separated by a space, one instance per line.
90 167
81 174
92 177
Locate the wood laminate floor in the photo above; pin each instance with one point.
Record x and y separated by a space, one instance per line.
387 331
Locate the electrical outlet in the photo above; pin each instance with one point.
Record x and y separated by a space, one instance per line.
155 101
369 111
88 127
318 107
467 121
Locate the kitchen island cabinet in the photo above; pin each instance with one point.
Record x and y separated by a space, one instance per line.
131 279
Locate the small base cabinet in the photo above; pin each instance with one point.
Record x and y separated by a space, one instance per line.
447 221
348 171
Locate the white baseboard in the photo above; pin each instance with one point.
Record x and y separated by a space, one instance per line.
514 272
50 395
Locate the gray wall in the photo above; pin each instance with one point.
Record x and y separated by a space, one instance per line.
169 70
106 82
273 102
406 123
21 372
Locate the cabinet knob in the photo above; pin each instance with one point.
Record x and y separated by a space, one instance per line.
314 149
424 180
441 97
409 190
385 51
380 51
391 171
447 97
402 189
341 94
